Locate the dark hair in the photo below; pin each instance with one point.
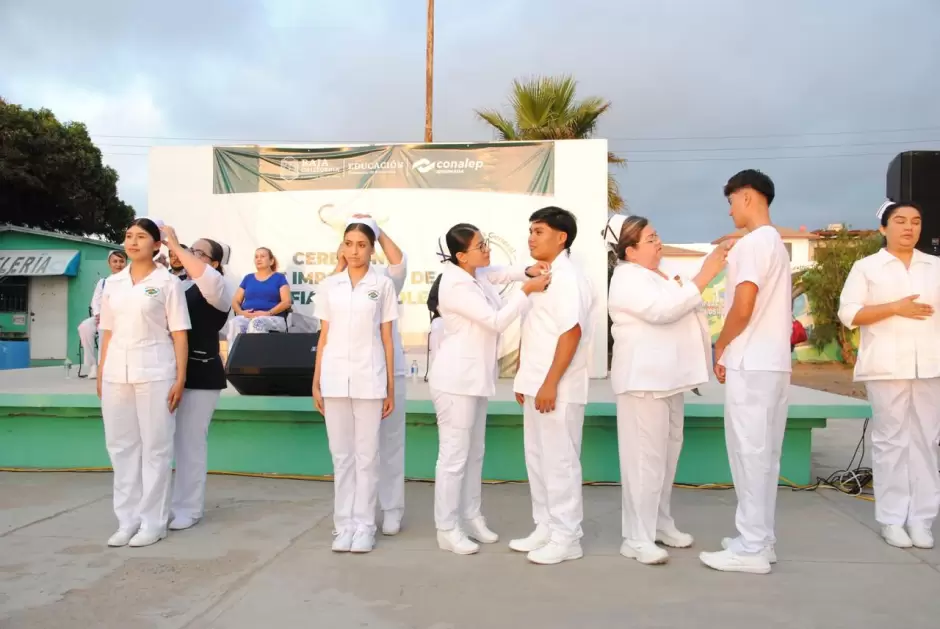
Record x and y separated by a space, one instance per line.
894 207
152 230
889 212
216 253
457 239
630 234
434 299
363 229
559 220
753 179
118 254
270 255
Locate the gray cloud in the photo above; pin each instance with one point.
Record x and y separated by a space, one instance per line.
294 70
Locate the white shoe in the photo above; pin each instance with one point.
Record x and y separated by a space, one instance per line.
555 552
728 561
93 372
477 529
536 539
648 554
342 541
146 538
895 535
768 551
921 537
674 538
362 542
456 542
121 537
181 523
391 522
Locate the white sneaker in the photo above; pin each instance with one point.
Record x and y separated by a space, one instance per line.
674 538
536 539
342 541
146 538
456 542
181 523
555 552
768 551
121 537
391 522
895 535
648 554
478 530
362 542
727 561
93 372
921 537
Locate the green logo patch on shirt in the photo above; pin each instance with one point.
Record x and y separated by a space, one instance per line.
373 295
151 292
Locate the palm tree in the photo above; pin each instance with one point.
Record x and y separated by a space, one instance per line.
545 108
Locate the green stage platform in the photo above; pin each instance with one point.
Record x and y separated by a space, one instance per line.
50 422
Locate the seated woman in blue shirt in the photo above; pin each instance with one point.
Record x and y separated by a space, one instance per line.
262 300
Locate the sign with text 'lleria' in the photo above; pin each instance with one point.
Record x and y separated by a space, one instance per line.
38 262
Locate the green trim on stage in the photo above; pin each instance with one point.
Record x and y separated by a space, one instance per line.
285 436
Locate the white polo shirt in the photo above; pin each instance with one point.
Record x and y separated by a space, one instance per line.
141 317
760 257
353 363
896 348
568 301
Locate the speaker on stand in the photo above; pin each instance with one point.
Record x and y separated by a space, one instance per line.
914 176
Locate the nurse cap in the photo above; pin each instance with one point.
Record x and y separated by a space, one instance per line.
365 221
614 225
884 206
226 252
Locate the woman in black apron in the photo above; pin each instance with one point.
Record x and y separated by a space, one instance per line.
209 299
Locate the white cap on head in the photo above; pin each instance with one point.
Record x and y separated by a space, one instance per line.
614 225
365 221
881 210
226 253
156 221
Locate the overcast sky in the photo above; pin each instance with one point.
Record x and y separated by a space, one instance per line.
845 84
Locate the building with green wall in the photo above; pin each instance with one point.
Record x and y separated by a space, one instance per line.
46 283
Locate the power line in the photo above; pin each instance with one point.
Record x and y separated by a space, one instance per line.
612 139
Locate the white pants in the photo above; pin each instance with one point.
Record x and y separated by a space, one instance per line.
258 325
904 435
392 452
352 428
191 452
87 331
138 432
553 464
755 422
458 476
649 437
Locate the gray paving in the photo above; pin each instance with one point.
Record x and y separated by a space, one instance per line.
261 558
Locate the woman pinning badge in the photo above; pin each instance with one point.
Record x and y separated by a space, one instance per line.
353 381
208 300
462 377
662 348
144 355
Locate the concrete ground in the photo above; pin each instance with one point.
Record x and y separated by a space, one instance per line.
261 558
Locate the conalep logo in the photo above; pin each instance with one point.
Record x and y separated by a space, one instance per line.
447 167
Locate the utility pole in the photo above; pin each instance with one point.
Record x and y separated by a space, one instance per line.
429 79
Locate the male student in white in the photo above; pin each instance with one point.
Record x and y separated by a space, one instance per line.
753 361
392 432
88 329
552 386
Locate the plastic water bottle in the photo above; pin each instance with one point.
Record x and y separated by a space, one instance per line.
414 370
68 368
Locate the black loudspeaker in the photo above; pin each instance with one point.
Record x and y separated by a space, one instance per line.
272 364
915 176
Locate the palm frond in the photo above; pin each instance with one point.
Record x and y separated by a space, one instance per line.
503 127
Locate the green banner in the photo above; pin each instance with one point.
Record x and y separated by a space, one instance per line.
522 168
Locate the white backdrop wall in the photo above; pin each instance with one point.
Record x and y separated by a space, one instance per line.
304 228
